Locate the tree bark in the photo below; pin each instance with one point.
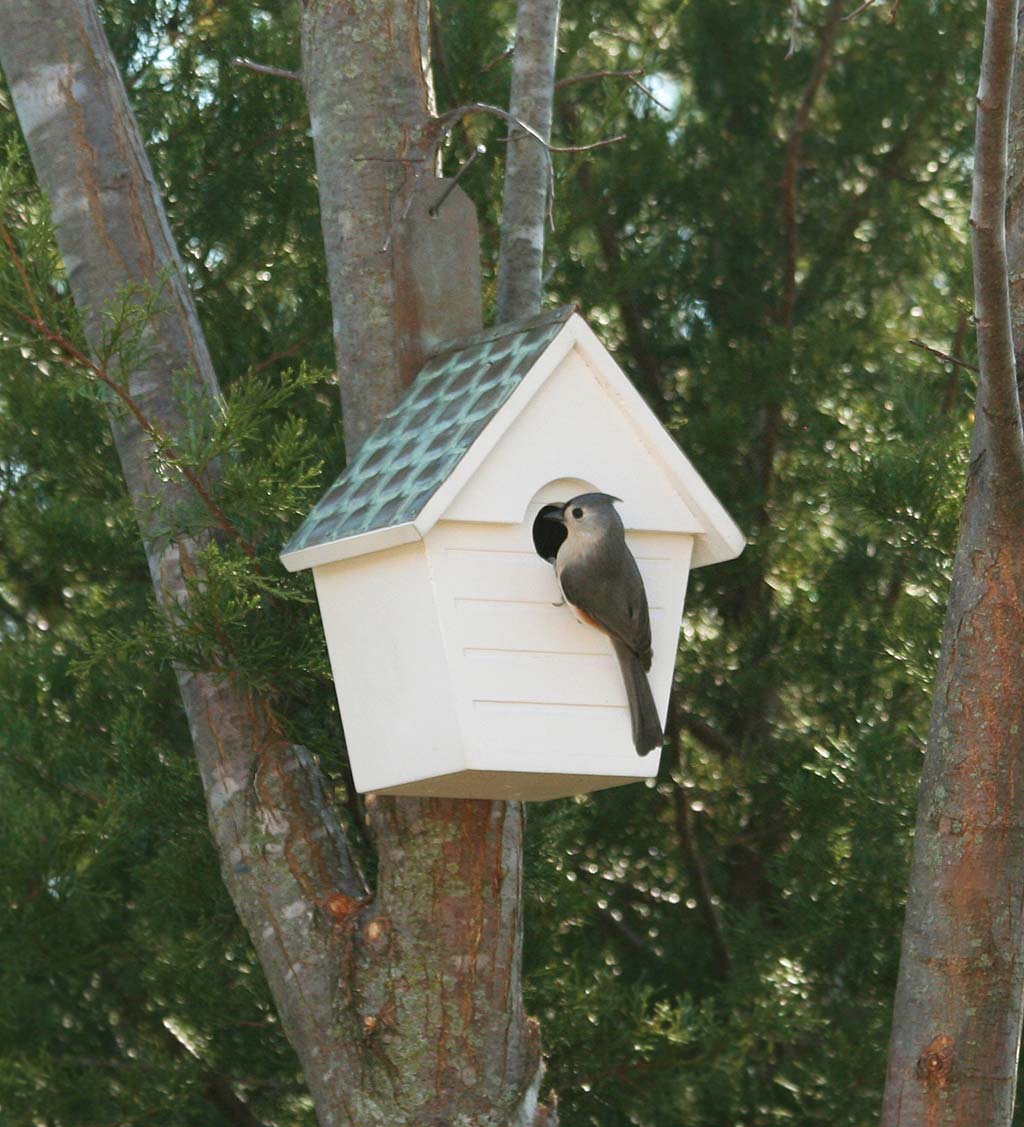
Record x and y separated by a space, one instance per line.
527 170
957 1016
404 1008
282 854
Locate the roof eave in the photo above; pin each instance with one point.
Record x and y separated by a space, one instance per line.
346 548
720 538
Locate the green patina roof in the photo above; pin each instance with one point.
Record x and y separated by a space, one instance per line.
418 444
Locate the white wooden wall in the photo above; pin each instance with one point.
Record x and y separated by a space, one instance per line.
536 690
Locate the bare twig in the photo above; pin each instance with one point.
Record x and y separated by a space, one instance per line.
947 357
631 76
650 94
794 27
857 11
263 68
956 348
448 120
575 79
509 51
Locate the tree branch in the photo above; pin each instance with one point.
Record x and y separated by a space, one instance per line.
998 414
794 150
692 859
945 356
448 120
263 68
709 736
631 76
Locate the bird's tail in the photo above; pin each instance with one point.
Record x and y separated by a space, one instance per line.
647 733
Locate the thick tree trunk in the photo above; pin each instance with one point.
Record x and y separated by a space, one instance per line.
282 854
527 169
957 1017
404 1009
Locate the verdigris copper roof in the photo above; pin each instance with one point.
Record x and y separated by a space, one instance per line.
421 441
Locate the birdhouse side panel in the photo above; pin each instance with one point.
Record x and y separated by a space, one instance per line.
390 673
664 560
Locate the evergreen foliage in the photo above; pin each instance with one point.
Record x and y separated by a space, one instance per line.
717 949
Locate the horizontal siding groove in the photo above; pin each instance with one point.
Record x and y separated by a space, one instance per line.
545 706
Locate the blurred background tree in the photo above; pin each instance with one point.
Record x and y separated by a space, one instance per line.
718 949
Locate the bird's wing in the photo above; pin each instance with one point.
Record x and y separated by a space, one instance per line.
612 594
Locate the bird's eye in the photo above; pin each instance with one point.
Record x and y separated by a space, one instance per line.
577 513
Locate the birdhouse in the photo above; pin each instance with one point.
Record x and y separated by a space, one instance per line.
457 671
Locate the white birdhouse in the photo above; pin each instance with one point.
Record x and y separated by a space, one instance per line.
457 673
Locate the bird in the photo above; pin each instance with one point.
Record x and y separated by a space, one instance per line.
601 582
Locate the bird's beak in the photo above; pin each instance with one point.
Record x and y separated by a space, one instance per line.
555 512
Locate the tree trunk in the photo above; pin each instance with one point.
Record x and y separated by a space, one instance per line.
404 1008
957 1017
282 854
527 168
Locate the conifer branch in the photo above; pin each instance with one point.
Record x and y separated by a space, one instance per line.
19 265
73 357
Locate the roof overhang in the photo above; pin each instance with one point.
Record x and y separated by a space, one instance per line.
717 539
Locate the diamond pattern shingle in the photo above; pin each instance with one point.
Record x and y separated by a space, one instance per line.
418 444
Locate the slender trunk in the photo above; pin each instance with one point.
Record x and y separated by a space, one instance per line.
957 1015
524 205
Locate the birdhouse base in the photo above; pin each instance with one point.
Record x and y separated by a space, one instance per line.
508 785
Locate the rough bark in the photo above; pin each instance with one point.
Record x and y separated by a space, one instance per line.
527 170
957 1016
406 1008
369 119
1015 202
282 855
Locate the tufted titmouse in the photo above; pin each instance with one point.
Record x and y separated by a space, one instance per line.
601 582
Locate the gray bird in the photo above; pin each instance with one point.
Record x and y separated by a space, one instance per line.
601 582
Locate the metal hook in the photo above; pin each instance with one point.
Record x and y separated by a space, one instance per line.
436 207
